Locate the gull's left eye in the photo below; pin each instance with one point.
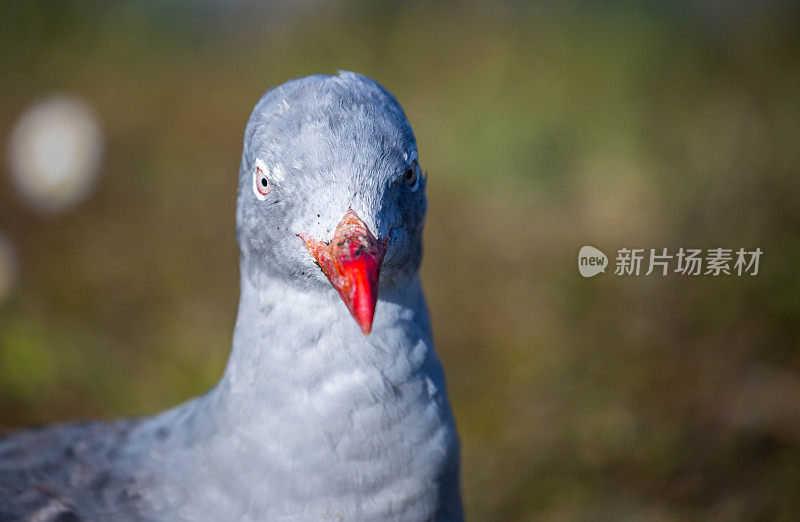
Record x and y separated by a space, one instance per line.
411 175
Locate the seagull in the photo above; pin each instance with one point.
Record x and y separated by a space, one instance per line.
333 403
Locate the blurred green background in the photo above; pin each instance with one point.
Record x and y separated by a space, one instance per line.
543 128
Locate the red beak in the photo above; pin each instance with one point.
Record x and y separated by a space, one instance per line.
352 263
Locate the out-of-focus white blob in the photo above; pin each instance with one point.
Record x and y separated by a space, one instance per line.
8 268
54 153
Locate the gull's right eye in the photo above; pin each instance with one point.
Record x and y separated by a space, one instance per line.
261 184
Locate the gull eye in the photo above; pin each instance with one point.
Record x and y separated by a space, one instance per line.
261 184
411 175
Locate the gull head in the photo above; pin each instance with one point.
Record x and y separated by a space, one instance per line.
331 193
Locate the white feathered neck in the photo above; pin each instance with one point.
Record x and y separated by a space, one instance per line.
312 420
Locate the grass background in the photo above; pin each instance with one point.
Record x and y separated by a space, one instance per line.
543 128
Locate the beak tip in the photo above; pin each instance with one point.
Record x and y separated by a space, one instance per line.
364 319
